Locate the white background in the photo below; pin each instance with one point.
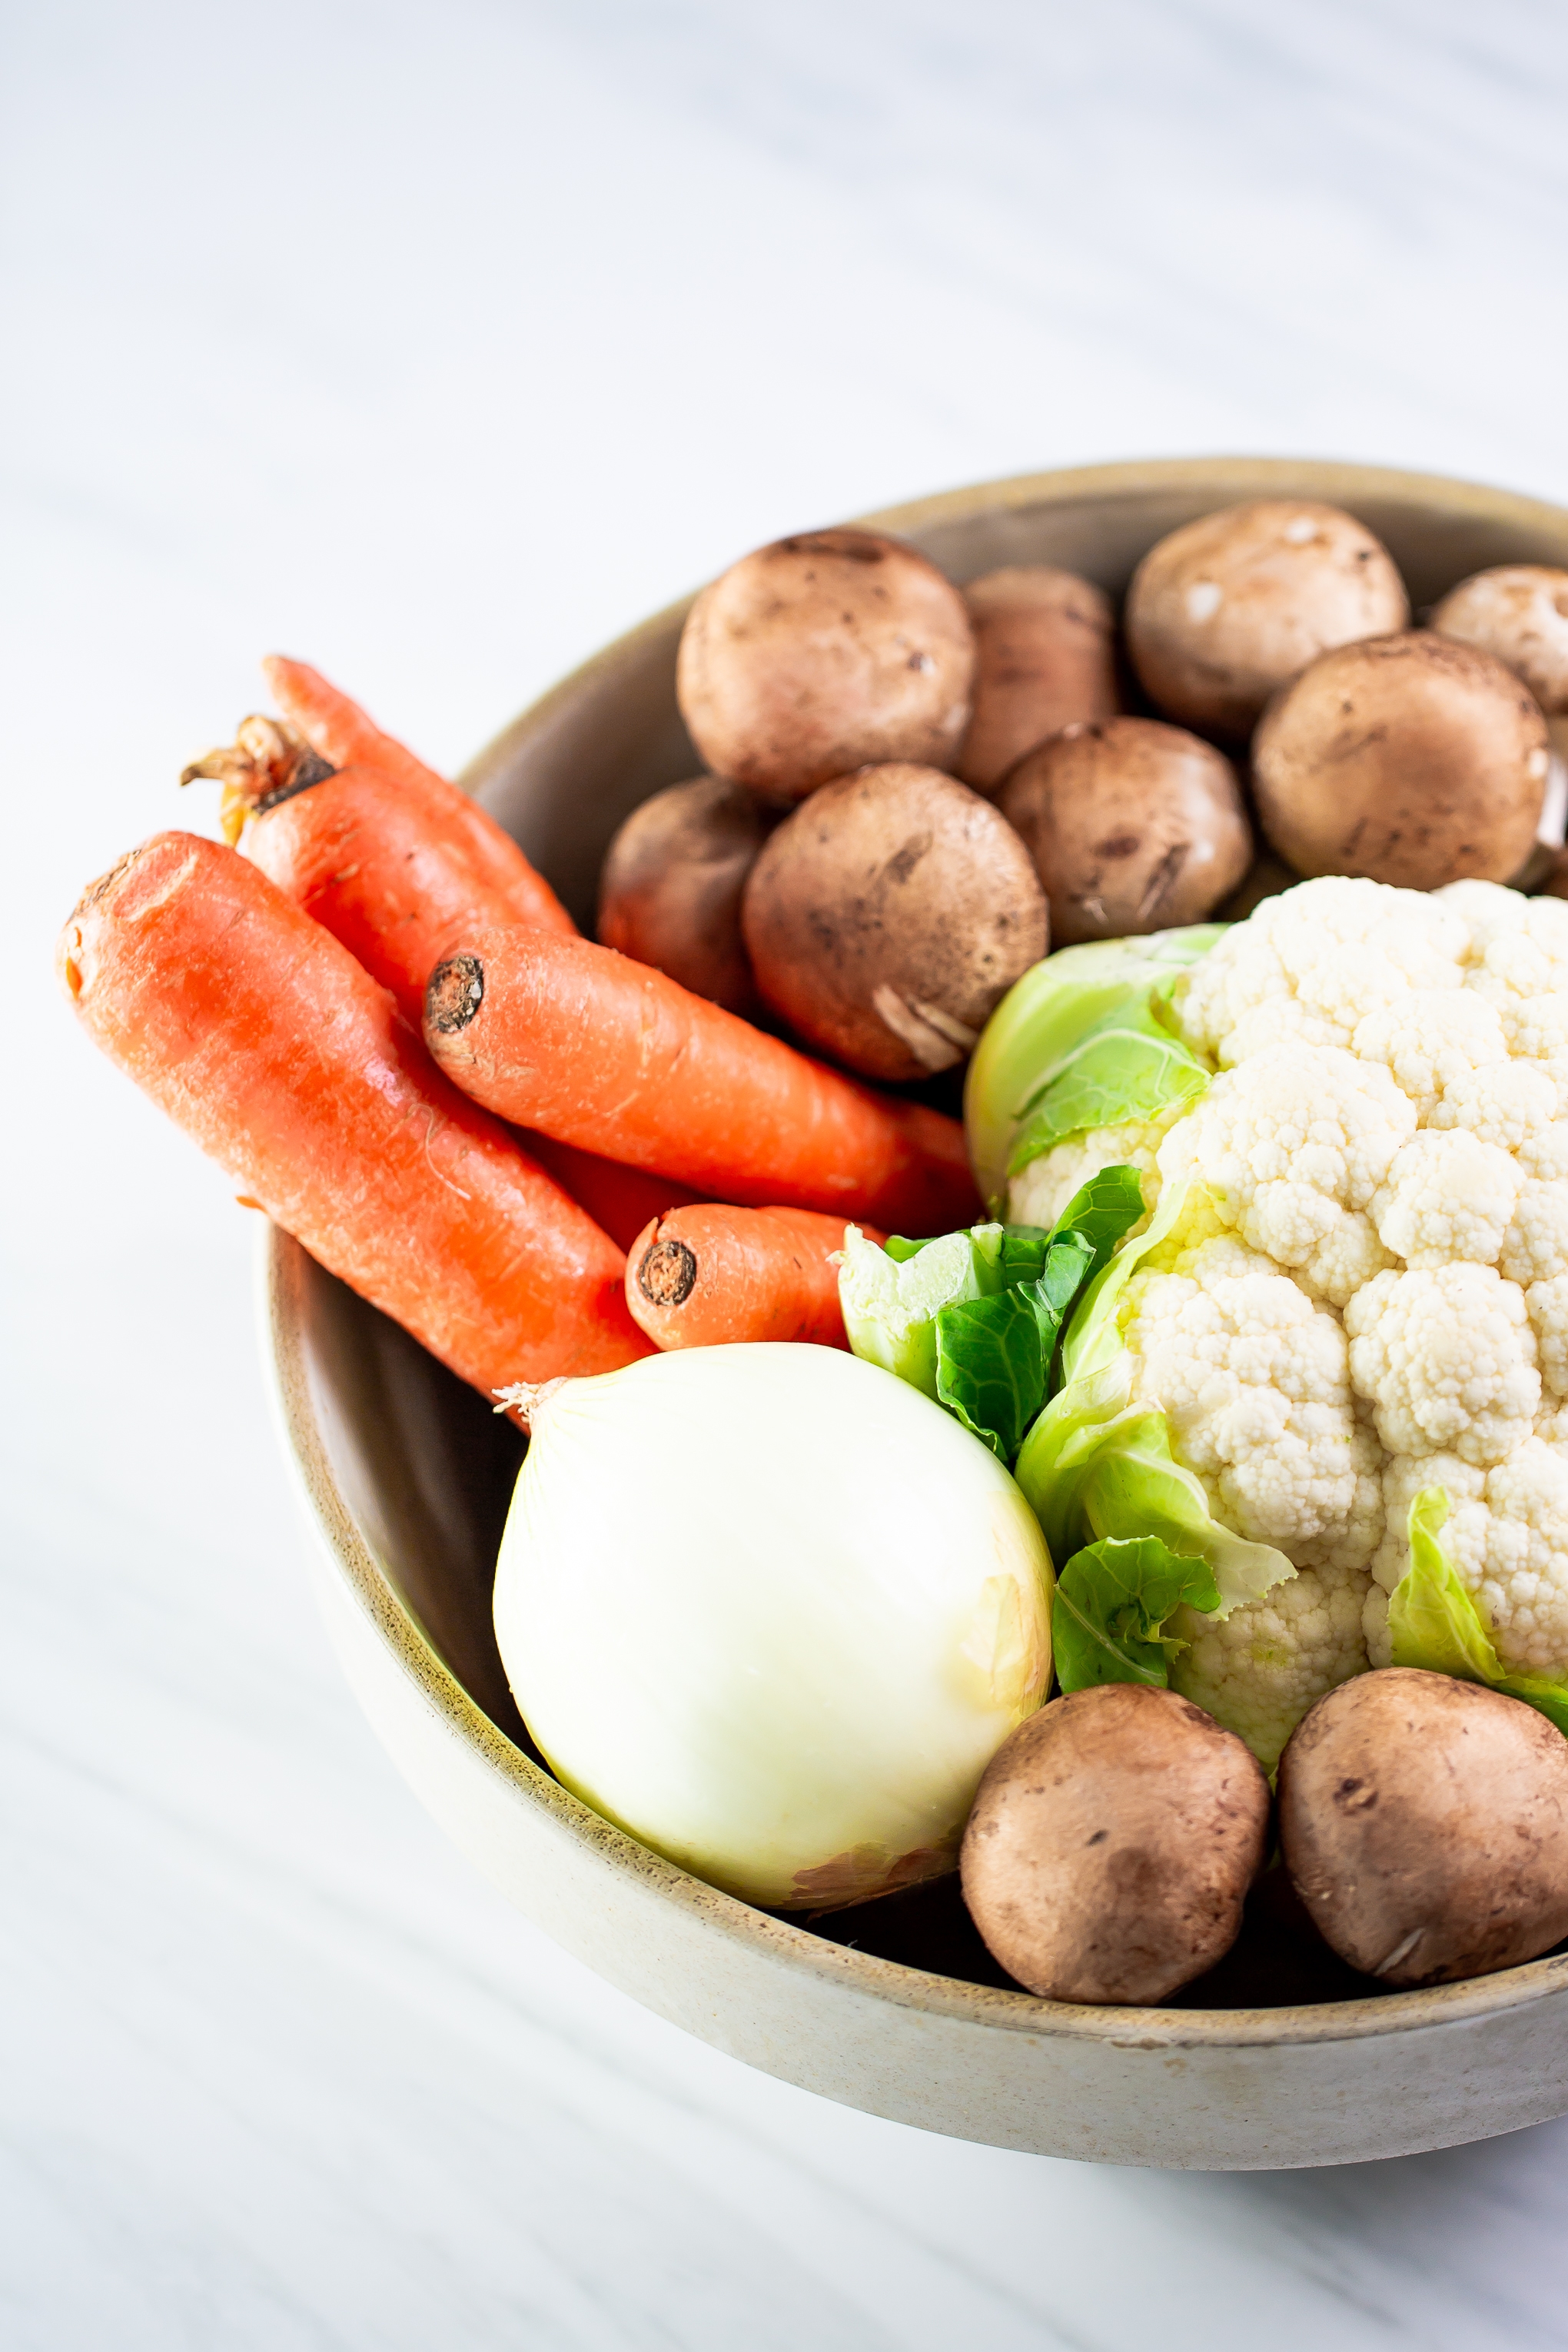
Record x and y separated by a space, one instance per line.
437 343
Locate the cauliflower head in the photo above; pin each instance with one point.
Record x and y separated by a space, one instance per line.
1377 1300
1352 1282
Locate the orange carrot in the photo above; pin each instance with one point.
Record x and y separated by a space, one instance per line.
622 1200
584 1044
700 1278
338 731
386 872
269 1043
381 866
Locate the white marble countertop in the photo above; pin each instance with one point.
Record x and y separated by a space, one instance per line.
436 344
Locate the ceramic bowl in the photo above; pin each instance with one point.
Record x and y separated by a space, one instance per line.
406 1475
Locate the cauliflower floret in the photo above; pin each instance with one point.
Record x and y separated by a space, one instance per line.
1271 1660
1535 1248
1349 1542
1488 910
1523 974
1536 1027
1446 1356
1551 1424
1254 1383
1507 1535
1543 1150
1526 952
1429 1038
1513 1104
1038 1194
1448 1195
1293 1144
1311 965
1546 1303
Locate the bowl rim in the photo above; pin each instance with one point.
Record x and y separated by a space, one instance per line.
1233 479
283 1266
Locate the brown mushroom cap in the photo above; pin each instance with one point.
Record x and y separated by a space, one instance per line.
1045 656
1412 758
1113 1842
1518 612
887 917
669 891
1425 1825
819 654
1223 610
1133 825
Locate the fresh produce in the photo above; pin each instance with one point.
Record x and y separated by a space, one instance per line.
1519 614
338 731
1353 1285
1434 1620
264 1039
1412 759
786 1664
1044 657
1133 825
394 862
974 1318
886 916
821 654
622 1200
1080 1066
574 1039
707 1277
1267 877
1113 1601
395 867
1112 1846
1223 611
1268 1318
669 891
1120 1451
1425 1825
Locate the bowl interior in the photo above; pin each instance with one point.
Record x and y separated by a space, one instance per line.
424 1468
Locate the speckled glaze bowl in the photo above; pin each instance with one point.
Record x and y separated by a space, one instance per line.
407 1476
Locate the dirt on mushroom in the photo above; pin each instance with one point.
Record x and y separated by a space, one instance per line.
1133 826
889 915
1221 612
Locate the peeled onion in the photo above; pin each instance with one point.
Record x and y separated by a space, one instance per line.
772 1612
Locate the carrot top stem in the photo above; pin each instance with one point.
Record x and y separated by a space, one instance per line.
268 761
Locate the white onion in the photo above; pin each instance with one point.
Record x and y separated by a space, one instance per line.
774 1611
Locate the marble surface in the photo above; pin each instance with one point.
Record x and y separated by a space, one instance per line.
437 343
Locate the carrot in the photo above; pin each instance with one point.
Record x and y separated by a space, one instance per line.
381 866
344 735
267 1041
700 1278
387 872
586 1046
338 731
622 1200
